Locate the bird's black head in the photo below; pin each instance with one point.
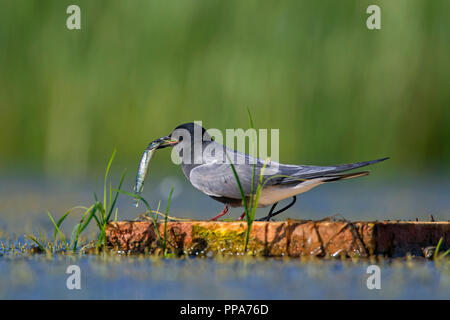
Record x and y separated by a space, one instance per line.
192 131
191 127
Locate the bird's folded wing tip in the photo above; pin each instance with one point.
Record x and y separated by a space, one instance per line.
381 159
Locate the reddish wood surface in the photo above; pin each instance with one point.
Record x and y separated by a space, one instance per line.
288 238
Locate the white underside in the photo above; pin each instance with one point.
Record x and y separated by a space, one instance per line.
273 194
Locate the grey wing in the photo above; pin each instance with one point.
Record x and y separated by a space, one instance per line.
218 180
222 154
309 172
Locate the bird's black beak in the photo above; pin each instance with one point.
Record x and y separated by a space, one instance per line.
166 141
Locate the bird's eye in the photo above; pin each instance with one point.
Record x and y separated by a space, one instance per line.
180 139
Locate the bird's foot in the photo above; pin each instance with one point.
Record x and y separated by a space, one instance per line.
262 219
266 218
224 212
242 216
273 214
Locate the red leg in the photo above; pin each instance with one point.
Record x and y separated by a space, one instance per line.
224 211
242 217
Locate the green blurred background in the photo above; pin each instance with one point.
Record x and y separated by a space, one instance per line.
337 91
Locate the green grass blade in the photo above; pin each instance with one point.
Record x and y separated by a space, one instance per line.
165 222
107 174
250 119
154 219
238 181
60 221
61 235
251 214
252 126
244 200
444 254
101 238
38 243
159 205
258 191
73 237
88 220
110 197
113 204
437 248
99 224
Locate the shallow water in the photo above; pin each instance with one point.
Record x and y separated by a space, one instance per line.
149 278
23 205
24 202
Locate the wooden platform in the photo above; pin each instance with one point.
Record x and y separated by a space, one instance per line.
288 238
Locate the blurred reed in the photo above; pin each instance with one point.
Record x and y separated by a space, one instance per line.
337 91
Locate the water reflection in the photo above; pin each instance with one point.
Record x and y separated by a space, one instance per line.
24 202
145 278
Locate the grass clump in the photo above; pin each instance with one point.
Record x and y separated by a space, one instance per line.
100 212
249 208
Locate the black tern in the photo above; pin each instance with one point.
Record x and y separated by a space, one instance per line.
204 163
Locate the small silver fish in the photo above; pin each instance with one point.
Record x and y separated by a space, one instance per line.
143 168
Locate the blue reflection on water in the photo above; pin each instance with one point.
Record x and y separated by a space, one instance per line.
23 205
133 278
